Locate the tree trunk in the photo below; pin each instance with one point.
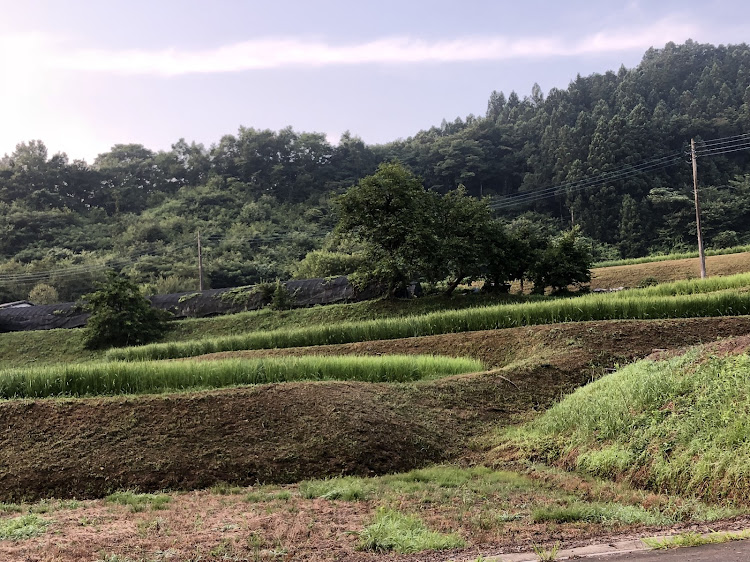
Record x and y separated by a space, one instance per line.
452 286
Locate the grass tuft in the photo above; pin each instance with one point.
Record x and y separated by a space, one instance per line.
392 531
350 489
23 527
140 502
681 425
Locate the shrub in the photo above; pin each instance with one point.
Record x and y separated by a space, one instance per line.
43 294
120 315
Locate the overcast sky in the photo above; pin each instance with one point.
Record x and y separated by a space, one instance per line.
84 75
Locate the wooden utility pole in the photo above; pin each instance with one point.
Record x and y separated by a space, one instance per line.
200 263
701 255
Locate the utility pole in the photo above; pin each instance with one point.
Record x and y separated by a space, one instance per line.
701 255
200 263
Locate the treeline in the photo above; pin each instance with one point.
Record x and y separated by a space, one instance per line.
262 199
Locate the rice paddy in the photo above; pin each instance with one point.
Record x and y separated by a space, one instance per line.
114 378
698 298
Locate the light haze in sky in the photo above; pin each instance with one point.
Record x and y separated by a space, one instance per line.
84 75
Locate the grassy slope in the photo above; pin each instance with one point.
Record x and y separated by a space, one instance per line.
65 346
681 425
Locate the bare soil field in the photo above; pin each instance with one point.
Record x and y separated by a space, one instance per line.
671 270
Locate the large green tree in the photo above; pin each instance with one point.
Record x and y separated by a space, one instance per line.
394 219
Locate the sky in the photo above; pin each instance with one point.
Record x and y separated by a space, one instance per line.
84 75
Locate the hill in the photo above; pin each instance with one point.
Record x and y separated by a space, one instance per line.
262 199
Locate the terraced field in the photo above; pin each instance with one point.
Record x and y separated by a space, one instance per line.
334 451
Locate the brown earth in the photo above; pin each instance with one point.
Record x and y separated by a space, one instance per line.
284 433
206 525
666 271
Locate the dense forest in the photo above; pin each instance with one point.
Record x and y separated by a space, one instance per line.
263 199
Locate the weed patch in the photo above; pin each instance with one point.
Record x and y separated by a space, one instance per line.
140 502
392 531
23 527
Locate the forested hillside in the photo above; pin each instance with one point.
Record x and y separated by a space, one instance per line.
263 199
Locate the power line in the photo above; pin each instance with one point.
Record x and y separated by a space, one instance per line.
712 147
616 175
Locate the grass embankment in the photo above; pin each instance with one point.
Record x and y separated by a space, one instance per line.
672 257
681 425
589 307
267 319
43 347
155 377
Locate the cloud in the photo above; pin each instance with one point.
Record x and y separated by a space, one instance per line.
290 52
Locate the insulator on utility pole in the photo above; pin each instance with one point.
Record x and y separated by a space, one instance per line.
701 254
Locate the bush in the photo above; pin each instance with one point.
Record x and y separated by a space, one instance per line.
43 294
120 315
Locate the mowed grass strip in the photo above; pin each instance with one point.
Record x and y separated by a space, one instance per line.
590 307
157 377
681 425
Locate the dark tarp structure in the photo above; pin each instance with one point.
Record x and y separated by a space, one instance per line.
195 304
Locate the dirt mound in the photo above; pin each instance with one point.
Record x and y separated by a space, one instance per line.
278 433
286 432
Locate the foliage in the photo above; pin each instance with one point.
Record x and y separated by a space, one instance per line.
392 216
344 489
139 502
155 377
565 261
23 527
322 263
120 315
392 531
282 299
263 198
43 294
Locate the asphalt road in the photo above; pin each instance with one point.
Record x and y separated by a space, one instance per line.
736 551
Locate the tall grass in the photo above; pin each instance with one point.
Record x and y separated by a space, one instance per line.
589 307
152 377
689 287
681 425
671 257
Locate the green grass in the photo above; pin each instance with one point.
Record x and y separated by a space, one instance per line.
606 513
23 527
345 489
154 377
589 307
392 531
140 502
689 287
66 346
681 426
695 539
671 257
267 319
